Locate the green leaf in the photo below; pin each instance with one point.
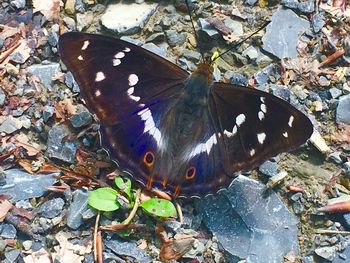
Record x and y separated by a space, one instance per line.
159 207
103 199
123 184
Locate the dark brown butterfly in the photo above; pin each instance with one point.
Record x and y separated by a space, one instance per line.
174 131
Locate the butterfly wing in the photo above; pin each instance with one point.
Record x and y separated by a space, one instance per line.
254 125
118 78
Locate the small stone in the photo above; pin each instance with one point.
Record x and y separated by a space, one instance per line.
174 38
307 7
192 55
317 22
2 97
173 226
308 259
327 253
10 125
156 37
155 49
44 72
299 92
70 82
269 168
318 106
296 197
262 76
27 244
12 255
48 112
3 245
251 52
53 38
323 81
69 7
51 208
336 157
18 3
251 2
317 140
236 78
77 208
335 93
343 109
8 231
81 119
208 28
298 207
58 147
235 26
84 20
346 167
127 18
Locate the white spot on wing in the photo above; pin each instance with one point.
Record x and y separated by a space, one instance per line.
126 49
119 55
230 134
261 115
133 79
252 152
261 137
204 146
85 45
116 62
100 76
240 119
130 91
263 107
290 121
285 134
80 57
97 93
262 99
135 98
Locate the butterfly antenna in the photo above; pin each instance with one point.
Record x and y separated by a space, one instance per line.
243 40
194 29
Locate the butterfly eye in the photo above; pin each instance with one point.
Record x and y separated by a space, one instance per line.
190 173
149 158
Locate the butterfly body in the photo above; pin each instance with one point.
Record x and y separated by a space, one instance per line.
178 132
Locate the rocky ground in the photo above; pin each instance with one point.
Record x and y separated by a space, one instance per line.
293 208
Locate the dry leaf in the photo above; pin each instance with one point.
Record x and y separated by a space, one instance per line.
40 256
22 140
6 31
5 206
49 8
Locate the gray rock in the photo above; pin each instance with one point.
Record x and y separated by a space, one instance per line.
126 18
1 42
3 245
155 49
21 185
8 231
208 28
327 253
2 97
70 82
129 249
335 93
298 207
251 53
317 22
51 208
262 77
192 55
132 40
48 112
77 208
308 259
235 26
12 255
251 2
344 256
346 167
250 224
343 109
307 7
10 125
156 37
236 78
59 148
336 157
280 91
290 3
18 57
18 3
44 72
269 168
81 119
282 33
53 38
174 38
27 244
84 20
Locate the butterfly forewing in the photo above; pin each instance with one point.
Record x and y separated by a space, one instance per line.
255 125
116 77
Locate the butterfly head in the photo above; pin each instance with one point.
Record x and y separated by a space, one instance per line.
205 69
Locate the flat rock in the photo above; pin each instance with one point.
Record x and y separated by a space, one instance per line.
44 72
250 223
10 125
77 208
343 109
51 208
21 185
8 231
282 33
127 18
129 249
59 148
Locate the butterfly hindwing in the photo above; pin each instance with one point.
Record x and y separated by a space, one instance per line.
255 125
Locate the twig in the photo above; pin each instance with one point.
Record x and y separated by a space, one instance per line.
328 231
95 235
179 212
134 209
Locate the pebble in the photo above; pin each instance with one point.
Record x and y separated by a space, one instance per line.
70 82
308 259
235 26
8 231
27 244
2 97
336 157
236 78
44 72
343 109
346 167
298 207
174 38
10 125
127 18
48 112
69 7
12 255
18 3
282 33
80 119
77 208
317 22
84 20
251 53
155 49
269 168
335 93
327 253
51 208
208 28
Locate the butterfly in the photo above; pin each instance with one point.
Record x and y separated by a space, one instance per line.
177 132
